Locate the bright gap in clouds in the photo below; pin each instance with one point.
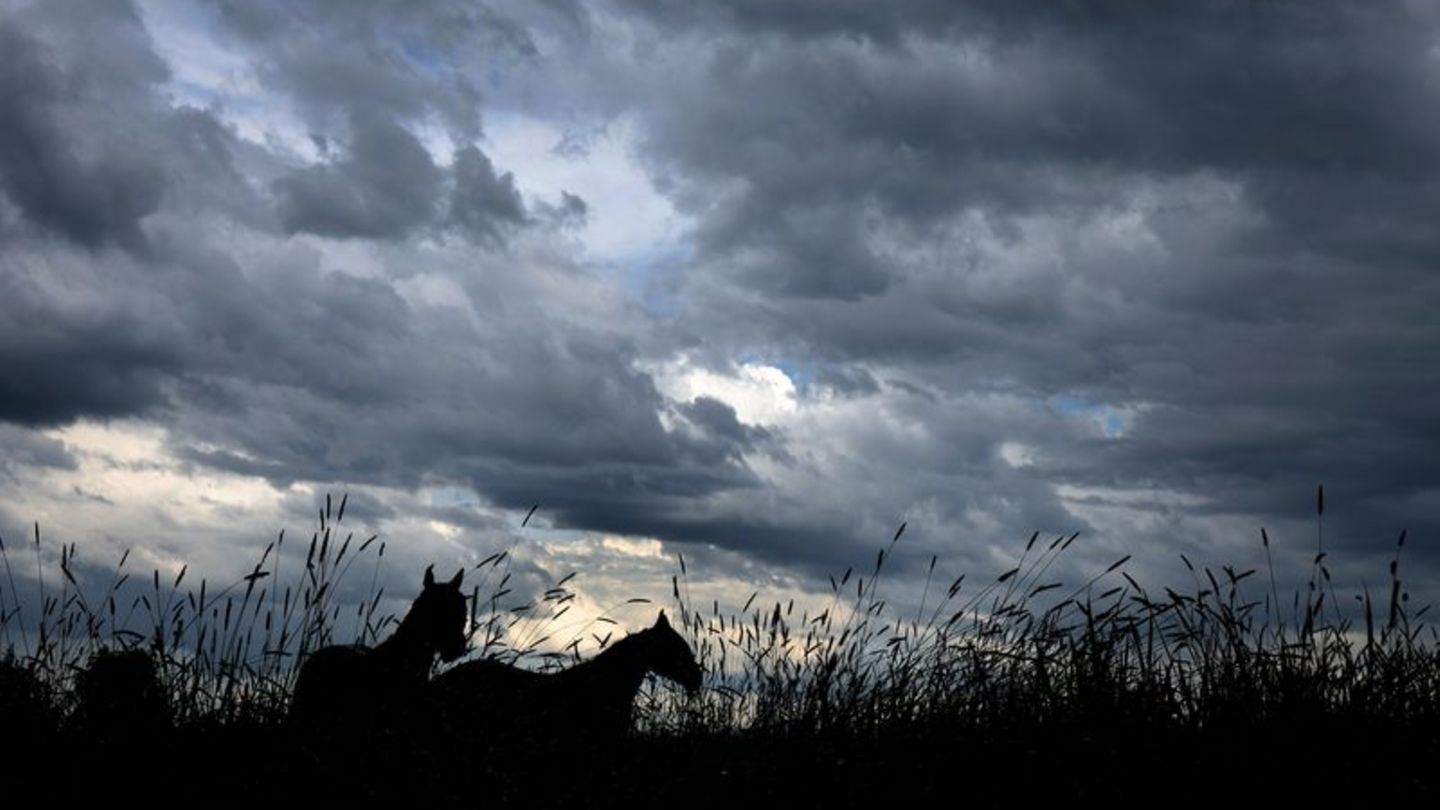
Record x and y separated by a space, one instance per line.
629 228
128 492
760 394
1112 422
210 73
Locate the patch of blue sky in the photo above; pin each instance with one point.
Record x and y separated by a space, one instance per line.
448 496
1111 420
647 277
195 94
801 373
429 60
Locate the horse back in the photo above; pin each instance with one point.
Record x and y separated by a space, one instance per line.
501 703
488 697
490 683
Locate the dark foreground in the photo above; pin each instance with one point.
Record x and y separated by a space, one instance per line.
1107 758
1226 693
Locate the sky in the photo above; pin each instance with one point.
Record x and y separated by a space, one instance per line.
754 282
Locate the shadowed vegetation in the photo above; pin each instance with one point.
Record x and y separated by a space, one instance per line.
1018 686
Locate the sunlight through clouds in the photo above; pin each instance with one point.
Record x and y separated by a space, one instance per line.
760 394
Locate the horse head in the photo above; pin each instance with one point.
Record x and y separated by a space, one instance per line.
669 655
439 615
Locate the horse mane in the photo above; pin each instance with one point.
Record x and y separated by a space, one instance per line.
623 648
340 678
595 697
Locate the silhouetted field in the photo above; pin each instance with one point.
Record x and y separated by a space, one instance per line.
1015 689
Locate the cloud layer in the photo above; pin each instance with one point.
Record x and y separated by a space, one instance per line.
778 279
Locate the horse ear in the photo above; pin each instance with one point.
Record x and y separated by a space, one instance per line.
429 576
662 621
459 575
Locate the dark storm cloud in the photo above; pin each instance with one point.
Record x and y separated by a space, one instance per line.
847 380
882 23
403 61
23 448
557 408
384 186
978 233
92 146
262 360
717 419
108 335
968 165
72 351
484 202
64 180
41 389
1323 111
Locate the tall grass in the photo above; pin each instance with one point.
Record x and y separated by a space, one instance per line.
223 653
1006 661
231 653
1024 650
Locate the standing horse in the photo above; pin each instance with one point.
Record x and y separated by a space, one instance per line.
595 698
340 685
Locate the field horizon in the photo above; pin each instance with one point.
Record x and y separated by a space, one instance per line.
1110 689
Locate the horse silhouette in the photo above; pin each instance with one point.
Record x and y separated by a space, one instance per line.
348 686
593 700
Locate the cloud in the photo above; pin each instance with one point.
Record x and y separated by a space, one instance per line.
23 448
92 186
980 268
484 202
1037 202
718 419
384 186
332 59
71 351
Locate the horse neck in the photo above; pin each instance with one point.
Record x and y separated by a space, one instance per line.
407 649
621 667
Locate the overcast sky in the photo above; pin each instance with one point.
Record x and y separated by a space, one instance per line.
753 281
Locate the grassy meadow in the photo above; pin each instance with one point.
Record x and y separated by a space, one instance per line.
1006 687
